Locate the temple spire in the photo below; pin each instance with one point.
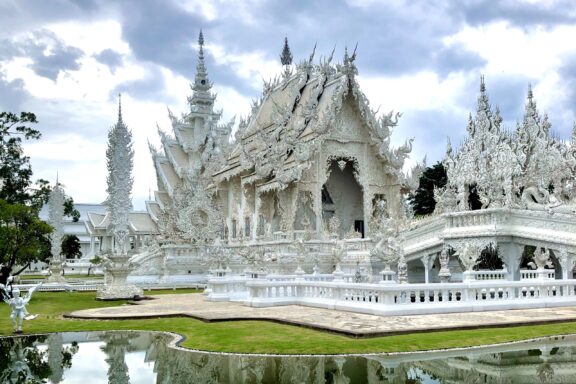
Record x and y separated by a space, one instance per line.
286 56
202 99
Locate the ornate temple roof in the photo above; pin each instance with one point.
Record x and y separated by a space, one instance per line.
295 113
526 168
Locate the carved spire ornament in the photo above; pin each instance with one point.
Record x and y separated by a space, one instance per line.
55 218
286 56
202 99
119 161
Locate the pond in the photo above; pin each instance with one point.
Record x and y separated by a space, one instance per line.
147 357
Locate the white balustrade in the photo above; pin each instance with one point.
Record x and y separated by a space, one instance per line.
537 274
490 275
397 299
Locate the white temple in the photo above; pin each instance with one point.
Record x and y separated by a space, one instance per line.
307 204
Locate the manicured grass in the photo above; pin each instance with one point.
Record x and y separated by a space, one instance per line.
258 336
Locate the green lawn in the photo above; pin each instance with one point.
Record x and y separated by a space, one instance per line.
257 336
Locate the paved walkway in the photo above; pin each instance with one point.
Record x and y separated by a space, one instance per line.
352 324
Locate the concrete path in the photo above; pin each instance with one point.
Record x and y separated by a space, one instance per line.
348 323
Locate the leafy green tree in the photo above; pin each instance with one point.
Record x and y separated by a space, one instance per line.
24 238
15 170
71 248
96 261
422 200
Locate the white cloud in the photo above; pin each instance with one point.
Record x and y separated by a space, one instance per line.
92 37
250 66
530 52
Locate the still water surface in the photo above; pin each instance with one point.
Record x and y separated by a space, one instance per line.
145 357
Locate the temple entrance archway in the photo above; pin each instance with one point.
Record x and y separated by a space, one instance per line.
342 197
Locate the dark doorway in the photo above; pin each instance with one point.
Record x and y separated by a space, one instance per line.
359 226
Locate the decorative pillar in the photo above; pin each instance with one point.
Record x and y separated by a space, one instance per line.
426 260
566 262
256 216
367 207
512 256
317 204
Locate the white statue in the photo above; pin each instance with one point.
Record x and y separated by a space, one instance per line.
541 259
18 305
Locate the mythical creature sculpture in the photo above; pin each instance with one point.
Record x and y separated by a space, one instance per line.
541 259
444 273
18 305
539 199
402 269
469 256
446 199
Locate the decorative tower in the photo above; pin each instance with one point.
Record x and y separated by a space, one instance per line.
119 161
286 58
197 147
202 99
55 215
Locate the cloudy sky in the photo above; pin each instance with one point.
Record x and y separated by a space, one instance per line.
67 61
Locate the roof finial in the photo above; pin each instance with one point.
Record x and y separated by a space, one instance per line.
201 38
482 85
120 108
286 56
57 178
530 93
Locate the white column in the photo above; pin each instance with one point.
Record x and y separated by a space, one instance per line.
566 262
256 216
512 255
426 261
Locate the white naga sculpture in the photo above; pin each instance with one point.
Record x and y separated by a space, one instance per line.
18 306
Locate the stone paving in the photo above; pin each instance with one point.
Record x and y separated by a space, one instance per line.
352 324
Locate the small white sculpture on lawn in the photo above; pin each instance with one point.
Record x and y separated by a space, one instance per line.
18 305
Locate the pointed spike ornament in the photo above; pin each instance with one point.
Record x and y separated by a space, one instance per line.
286 56
120 108
202 99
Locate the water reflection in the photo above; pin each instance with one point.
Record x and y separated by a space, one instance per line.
133 357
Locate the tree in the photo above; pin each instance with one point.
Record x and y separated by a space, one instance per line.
15 170
71 247
96 261
422 200
23 238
